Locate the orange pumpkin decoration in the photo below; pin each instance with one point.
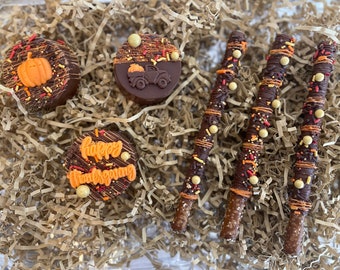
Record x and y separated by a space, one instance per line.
34 71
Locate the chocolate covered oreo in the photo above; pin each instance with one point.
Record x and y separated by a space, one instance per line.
43 73
147 68
101 164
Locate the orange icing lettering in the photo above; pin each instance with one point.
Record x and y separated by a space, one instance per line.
97 176
98 150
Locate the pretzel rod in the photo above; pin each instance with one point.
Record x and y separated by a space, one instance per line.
236 47
306 156
245 176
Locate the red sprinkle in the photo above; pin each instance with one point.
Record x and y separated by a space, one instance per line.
224 82
28 47
61 41
32 38
250 173
102 132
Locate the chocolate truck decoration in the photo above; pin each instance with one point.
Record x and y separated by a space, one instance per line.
140 77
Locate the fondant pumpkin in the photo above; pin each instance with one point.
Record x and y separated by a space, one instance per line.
34 71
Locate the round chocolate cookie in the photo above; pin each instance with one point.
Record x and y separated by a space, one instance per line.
147 68
101 164
43 73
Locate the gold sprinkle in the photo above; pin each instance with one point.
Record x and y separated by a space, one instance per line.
276 103
134 40
9 60
237 53
153 61
207 131
299 184
319 77
290 43
161 59
125 156
253 180
61 66
195 179
213 129
307 140
83 191
232 86
174 56
284 61
199 160
319 113
263 133
309 180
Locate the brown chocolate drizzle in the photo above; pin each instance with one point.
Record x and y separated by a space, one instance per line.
204 139
248 158
306 156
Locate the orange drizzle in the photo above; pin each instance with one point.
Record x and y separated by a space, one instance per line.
98 150
204 144
97 176
288 52
243 193
299 205
213 112
187 196
224 71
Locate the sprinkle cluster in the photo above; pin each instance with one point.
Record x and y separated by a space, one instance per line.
147 48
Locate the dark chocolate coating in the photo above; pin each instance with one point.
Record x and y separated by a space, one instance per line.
204 138
161 73
74 160
248 158
306 157
65 73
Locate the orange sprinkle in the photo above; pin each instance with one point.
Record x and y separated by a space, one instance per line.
106 198
27 91
96 132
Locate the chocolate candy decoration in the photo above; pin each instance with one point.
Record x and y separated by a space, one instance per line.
101 164
307 148
246 167
147 68
43 73
204 140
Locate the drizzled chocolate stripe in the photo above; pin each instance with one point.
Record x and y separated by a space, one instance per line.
245 176
236 47
307 148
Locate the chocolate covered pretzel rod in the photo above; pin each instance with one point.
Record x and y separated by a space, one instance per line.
245 176
236 47
307 149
